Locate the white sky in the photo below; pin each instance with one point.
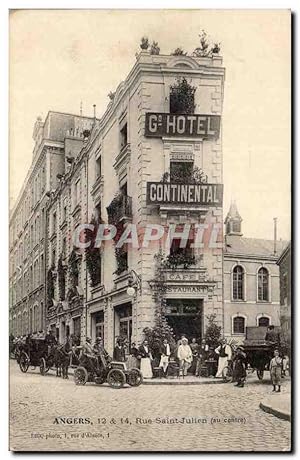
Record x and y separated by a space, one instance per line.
59 58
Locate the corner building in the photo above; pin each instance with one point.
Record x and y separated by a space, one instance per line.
142 142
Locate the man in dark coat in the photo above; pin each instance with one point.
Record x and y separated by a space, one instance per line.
119 351
239 367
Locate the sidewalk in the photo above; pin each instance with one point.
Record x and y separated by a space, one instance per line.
278 404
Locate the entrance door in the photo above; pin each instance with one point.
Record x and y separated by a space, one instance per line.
185 317
123 323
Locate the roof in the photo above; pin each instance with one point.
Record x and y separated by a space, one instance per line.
236 244
233 212
285 253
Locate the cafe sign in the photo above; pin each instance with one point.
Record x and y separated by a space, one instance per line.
184 194
184 125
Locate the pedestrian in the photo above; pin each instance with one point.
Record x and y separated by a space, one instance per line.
146 360
165 356
119 351
185 356
224 352
285 365
202 356
194 347
275 371
239 367
133 360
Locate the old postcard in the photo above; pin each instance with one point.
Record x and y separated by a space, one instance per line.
150 230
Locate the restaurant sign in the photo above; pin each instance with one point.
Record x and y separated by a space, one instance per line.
185 194
184 125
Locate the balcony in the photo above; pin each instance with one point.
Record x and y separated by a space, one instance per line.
120 209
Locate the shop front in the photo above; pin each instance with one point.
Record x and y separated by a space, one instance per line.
185 316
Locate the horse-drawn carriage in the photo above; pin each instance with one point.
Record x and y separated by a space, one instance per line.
35 352
258 350
114 373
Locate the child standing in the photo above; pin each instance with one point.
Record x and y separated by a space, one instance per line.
275 370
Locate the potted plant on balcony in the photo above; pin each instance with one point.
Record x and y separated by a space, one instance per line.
182 96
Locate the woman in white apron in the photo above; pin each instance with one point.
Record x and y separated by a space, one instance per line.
146 358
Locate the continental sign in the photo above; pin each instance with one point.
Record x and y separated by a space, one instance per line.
192 125
185 194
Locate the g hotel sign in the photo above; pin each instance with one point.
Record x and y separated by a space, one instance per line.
184 125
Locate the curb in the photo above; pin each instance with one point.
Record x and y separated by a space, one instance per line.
276 412
182 383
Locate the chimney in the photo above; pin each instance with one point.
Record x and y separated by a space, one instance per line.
275 235
94 112
81 108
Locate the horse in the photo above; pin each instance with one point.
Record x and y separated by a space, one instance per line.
62 357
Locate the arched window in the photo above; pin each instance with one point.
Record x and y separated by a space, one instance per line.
263 285
264 321
238 283
238 325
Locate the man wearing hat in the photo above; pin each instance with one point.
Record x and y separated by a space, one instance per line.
88 353
239 367
185 356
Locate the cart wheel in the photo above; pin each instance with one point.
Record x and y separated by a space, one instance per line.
80 376
24 361
227 375
260 373
134 377
116 378
43 366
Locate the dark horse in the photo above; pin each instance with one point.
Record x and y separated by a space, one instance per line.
62 357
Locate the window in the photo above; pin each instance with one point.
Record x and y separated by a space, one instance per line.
238 325
264 321
54 222
64 210
123 136
236 226
181 171
98 167
77 192
238 283
263 285
99 324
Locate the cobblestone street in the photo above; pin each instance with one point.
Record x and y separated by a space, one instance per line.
228 418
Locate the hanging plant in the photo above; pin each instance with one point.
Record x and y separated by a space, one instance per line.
122 261
182 96
50 286
114 209
161 330
181 259
93 255
61 278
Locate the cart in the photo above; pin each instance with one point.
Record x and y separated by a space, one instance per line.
114 373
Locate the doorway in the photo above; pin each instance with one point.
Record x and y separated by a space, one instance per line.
185 316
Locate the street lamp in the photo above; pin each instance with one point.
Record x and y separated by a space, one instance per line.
134 283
